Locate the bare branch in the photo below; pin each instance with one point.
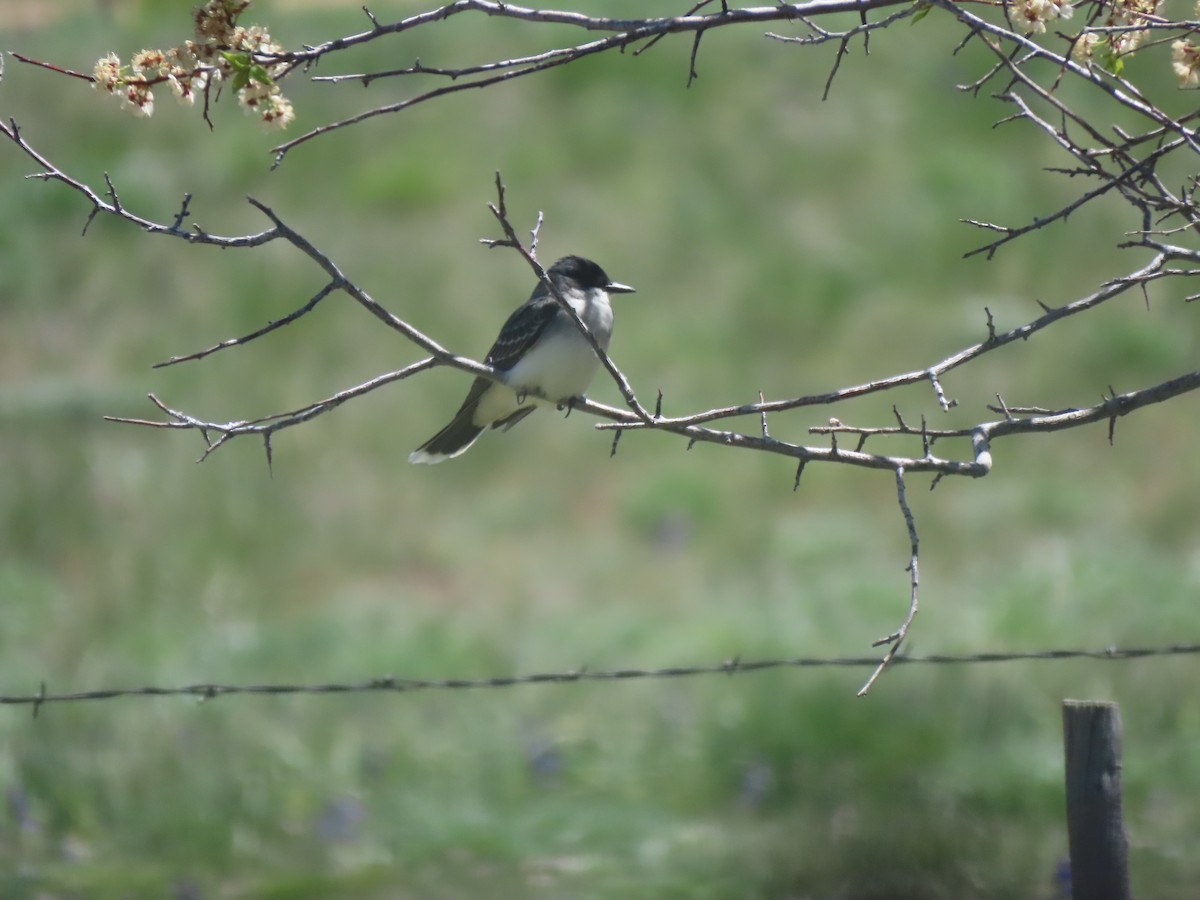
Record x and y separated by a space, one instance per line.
266 329
622 33
896 638
50 172
1108 291
267 426
820 36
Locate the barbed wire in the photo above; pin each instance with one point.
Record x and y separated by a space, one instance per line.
393 684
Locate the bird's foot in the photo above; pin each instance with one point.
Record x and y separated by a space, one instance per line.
570 403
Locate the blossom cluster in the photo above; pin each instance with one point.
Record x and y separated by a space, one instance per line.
1128 18
1032 15
1125 29
1185 60
222 51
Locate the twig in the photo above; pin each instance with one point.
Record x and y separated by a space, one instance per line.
896 638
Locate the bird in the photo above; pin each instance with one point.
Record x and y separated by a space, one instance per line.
542 354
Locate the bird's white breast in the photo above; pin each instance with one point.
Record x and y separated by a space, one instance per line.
560 365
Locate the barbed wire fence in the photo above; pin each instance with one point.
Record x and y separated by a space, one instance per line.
392 684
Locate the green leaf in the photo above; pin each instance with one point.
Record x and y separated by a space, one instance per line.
259 73
1113 63
922 11
241 67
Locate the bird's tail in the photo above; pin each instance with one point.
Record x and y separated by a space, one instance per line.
451 441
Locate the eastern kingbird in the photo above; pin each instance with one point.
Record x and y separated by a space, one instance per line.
540 349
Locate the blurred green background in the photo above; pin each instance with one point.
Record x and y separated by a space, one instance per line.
778 244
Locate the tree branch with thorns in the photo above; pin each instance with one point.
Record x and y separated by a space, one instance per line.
1027 69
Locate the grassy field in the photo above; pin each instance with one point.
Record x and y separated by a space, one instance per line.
778 244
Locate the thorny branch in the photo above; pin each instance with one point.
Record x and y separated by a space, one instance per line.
896 638
690 426
622 33
1024 72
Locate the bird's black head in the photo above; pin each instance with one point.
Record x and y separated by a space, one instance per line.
586 274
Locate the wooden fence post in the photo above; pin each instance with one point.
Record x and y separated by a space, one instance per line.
1095 826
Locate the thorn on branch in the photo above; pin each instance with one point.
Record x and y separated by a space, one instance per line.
692 73
1008 416
534 233
616 439
658 37
799 472
112 193
88 222
502 209
843 49
1112 422
991 326
658 405
268 212
182 214
210 444
164 408
208 119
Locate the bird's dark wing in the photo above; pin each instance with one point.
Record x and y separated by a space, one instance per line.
522 330
519 333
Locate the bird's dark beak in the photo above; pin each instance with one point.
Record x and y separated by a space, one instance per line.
615 287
